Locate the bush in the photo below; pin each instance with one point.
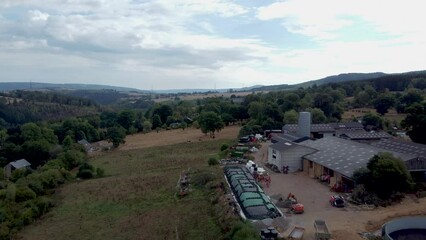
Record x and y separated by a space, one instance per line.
244 231
213 161
224 147
19 173
201 178
100 172
85 174
24 193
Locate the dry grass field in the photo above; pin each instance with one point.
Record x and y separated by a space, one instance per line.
136 200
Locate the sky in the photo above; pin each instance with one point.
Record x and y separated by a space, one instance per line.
193 44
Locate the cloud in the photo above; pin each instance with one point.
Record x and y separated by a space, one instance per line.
324 19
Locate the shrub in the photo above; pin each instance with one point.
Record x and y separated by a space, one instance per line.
201 178
85 174
213 161
19 173
244 231
100 172
224 147
24 193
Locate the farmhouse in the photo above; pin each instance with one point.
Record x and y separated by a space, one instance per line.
12 166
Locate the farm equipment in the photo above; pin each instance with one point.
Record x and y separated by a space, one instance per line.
337 201
291 203
296 233
321 230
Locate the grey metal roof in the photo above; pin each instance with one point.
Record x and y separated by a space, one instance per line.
402 146
83 142
289 137
347 125
363 135
20 163
292 128
283 145
345 156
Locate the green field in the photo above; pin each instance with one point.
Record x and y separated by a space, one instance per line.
136 199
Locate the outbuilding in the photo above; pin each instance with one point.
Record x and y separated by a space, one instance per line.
288 154
12 166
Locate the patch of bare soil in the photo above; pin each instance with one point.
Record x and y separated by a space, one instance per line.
170 137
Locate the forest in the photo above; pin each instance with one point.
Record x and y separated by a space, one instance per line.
44 127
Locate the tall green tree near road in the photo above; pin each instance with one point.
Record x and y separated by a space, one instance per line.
210 122
415 122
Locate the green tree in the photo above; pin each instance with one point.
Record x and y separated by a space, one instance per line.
318 115
388 175
3 137
210 122
384 102
68 143
116 135
126 119
289 102
163 111
415 122
291 117
374 120
324 102
156 121
147 126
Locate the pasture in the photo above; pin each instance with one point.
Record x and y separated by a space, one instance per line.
137 198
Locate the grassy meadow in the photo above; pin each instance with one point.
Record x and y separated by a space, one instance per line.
136 199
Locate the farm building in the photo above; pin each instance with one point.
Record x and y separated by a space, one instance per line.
87 146
288 154
416 166
363 136
337 159
12 166
321 130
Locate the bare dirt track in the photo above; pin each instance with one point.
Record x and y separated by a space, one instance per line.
170 137
344 223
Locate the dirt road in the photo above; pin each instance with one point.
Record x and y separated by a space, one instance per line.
344 223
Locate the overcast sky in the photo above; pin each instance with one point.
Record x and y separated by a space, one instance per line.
175 44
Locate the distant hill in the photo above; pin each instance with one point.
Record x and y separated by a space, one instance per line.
10 86
344 77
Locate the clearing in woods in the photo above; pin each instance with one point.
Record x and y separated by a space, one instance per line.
136 200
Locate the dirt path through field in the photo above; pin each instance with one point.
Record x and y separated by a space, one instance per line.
345 223
163 138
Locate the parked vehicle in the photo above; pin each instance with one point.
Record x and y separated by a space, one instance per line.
337 201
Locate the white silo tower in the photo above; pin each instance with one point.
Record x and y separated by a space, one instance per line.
304 128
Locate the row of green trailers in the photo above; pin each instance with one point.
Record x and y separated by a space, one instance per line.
254 203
